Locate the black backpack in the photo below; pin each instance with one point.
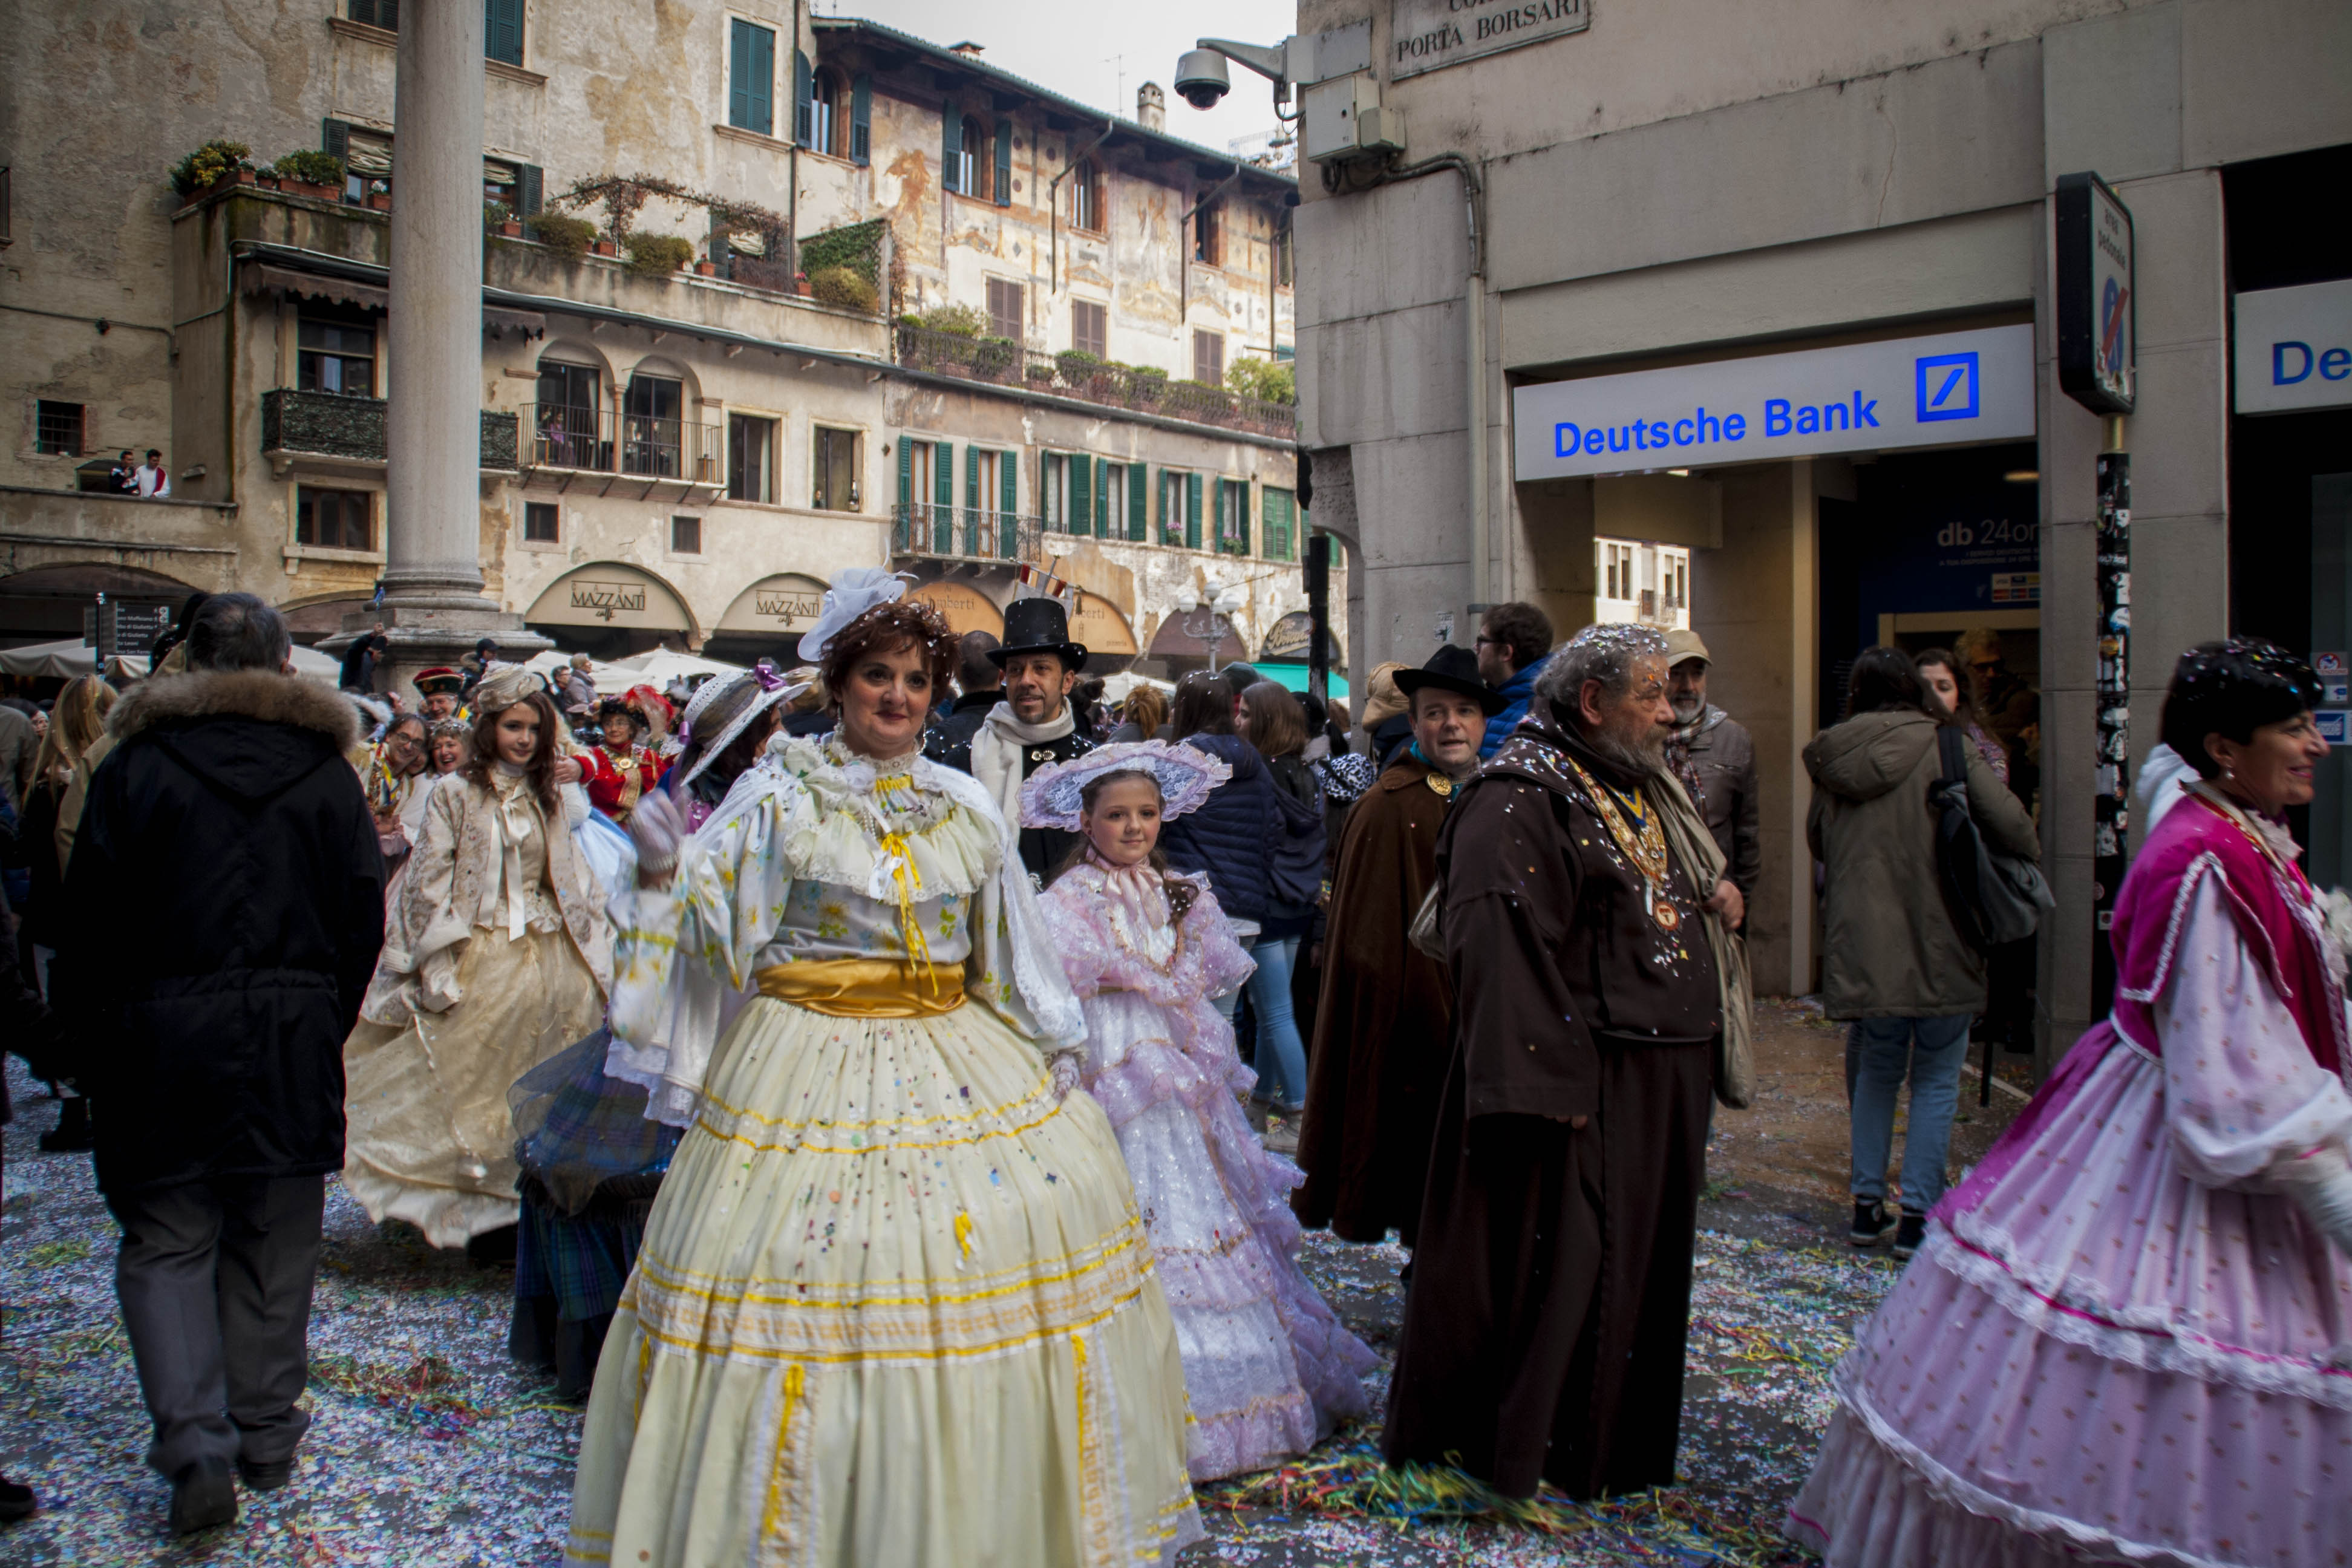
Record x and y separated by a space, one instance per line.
1993 898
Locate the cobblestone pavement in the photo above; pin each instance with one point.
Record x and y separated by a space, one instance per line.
429 1447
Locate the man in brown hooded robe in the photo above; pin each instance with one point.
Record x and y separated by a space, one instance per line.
1383 1023
1550 1297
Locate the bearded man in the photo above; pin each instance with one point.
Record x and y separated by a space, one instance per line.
1384 1020
1582 906
1032 726
1714 756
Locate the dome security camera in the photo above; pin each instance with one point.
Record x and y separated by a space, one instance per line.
1200 77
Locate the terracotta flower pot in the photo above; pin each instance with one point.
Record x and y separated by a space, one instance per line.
607 248
379 202
305 188
706 269
510 229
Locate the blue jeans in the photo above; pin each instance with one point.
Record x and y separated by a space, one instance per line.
1281 1055
1885 1049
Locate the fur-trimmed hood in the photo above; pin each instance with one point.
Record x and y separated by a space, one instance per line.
256 694
247 732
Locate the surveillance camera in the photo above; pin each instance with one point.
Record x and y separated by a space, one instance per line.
1200 77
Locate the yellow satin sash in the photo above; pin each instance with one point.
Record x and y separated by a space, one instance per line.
866 987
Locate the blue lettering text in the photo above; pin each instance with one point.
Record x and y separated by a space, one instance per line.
1736 427
2279 376
1776 416
1865 411
1683 429
2336 364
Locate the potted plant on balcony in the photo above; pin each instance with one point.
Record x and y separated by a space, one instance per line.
378 195
217 165
566 235
498 218
310 173
844 287
706 267
659 255
1145 385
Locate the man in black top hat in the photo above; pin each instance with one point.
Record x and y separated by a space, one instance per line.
1032 726
1384 1020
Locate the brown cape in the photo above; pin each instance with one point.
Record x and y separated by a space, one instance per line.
1383 1024
1544 1330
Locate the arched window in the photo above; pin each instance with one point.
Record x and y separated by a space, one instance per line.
972 167
1086 197
825 100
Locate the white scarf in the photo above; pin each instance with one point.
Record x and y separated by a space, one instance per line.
996 754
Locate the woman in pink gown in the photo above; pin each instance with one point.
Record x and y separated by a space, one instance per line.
2128 1338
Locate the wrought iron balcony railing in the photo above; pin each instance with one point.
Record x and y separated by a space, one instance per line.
598 441
1082 375
296 424
962 533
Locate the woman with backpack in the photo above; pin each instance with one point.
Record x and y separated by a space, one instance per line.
1893 957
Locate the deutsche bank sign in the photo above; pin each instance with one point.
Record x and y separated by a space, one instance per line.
1936 391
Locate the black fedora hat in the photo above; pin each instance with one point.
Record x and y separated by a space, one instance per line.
1038 625
1453 669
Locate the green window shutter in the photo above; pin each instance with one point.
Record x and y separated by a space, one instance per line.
971 479
1008 485
531 183
335 137
1241 495
902 531
804 119
1191 511
943 495
751 75
1280 509
861 119
1081 506
950 143
1137 498
502 32
1102 498
1003 186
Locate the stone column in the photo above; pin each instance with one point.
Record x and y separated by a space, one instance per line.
434 606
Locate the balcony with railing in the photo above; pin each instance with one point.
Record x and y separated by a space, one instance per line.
965 533
1003 362
566 442
331 430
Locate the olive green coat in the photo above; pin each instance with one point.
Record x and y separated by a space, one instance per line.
1889 948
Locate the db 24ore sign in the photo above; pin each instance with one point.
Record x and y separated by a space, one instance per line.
1424 35
1938 391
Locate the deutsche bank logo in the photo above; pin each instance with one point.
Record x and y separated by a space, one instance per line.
1947 386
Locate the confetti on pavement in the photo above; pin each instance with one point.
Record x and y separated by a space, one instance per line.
430 1448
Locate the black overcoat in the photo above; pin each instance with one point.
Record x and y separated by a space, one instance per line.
223 912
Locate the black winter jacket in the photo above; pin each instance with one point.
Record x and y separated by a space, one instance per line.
1231 836
223 913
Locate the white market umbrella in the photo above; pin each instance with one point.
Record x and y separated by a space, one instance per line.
71 656
1119 687
609 679
662 666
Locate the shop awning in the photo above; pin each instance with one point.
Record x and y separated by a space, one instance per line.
610 595
1293 677
261 278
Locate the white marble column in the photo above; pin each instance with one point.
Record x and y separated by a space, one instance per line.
434 602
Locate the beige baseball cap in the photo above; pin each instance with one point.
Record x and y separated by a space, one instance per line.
1682 644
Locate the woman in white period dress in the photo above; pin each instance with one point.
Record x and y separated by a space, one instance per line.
1267 1367
894 1305
495 956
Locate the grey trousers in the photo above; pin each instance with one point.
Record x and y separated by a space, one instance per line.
215 1281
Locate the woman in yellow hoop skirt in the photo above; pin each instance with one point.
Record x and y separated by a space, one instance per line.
894 1305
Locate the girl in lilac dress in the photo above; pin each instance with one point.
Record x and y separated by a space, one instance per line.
2128 1338
1267 1367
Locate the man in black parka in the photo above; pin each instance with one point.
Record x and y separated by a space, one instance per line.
223 912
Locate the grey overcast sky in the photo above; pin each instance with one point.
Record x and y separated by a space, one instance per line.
1100 51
